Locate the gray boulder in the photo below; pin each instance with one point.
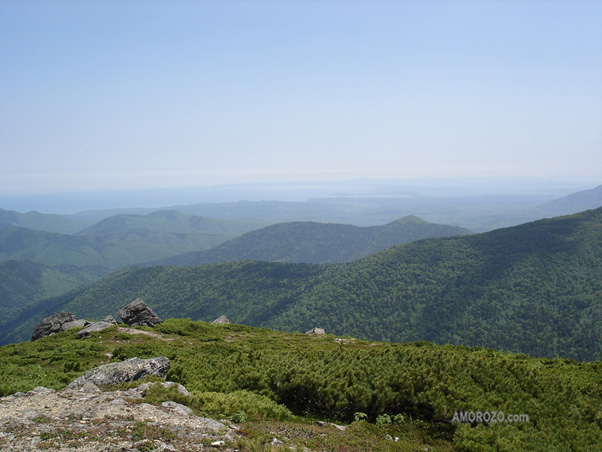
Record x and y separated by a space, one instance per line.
94 327
123 372
137 313
51 325
221 319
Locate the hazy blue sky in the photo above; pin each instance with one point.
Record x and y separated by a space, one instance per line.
121 94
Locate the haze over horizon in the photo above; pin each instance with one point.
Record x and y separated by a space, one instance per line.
98 95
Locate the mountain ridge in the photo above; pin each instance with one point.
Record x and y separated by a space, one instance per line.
534 288
315 243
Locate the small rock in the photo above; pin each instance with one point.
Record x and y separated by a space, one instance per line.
217 443
93 328
181 389
220 320
81 323
317 331
143 388
320 423
177 408
110 319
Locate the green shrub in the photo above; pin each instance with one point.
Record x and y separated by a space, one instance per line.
248 403
383 420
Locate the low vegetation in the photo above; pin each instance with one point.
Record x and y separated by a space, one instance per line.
276 384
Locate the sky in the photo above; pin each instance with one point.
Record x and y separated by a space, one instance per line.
135 94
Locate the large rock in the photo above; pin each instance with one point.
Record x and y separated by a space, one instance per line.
137 313
51 325
123 372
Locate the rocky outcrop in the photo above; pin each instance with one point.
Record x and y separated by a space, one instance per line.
87 419
138 313
122 372
221 319
316 331
52 325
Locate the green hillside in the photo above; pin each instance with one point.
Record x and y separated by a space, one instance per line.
534 288
113 242
276 384
56 249
23 283
63 224
315 243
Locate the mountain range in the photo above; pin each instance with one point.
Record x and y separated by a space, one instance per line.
478 212
533 288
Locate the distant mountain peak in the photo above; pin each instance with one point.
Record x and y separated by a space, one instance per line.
575 202
409 219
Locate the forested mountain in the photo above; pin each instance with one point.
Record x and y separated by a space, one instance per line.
310 242
23 283
534 288
120 240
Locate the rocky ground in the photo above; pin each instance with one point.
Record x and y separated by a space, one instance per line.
89 420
